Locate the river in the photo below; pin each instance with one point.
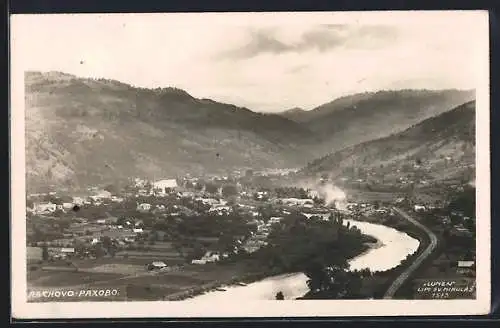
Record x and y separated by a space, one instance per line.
393 246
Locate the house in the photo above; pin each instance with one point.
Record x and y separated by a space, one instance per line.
144 207
67 250
210 257
462 230
137 230
78 200
198 262
185 194
297 201
45 208
261 195
101 221
220 209
116 199
111 219
139 182
101 195
314 193
465 264
209 201
274 219
142 192
418 208
165 186
67 206
156 265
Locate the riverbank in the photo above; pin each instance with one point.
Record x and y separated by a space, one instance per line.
241 281
293 282
387 241
384 279
392 247
390 255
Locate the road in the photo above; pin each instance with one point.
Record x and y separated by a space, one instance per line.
418 261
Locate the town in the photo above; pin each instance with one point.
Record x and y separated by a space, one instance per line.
199 230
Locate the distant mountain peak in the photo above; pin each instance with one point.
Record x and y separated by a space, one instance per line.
294 110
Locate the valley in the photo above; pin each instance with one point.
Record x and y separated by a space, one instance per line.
82 132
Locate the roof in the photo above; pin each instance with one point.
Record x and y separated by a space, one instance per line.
167 183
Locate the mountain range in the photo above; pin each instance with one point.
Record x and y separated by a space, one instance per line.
350 120
444 144
82 131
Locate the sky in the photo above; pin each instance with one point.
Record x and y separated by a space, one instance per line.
265 62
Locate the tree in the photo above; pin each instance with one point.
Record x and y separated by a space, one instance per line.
45 252
334 281
470 225
106 242
319 201
211 188
365 273
98 251
280 296
229 190
110 188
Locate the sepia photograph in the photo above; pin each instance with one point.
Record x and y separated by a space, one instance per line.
250 164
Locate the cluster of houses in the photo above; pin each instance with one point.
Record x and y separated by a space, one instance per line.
297 202
131 228
258 239
45 208
210 257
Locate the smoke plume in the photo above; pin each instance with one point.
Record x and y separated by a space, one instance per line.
332 194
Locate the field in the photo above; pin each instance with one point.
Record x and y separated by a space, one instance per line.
34 253
143 285
370 196
139 283
41 278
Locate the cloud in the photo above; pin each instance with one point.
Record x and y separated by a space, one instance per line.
320 38
261 41
298 69
268 66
